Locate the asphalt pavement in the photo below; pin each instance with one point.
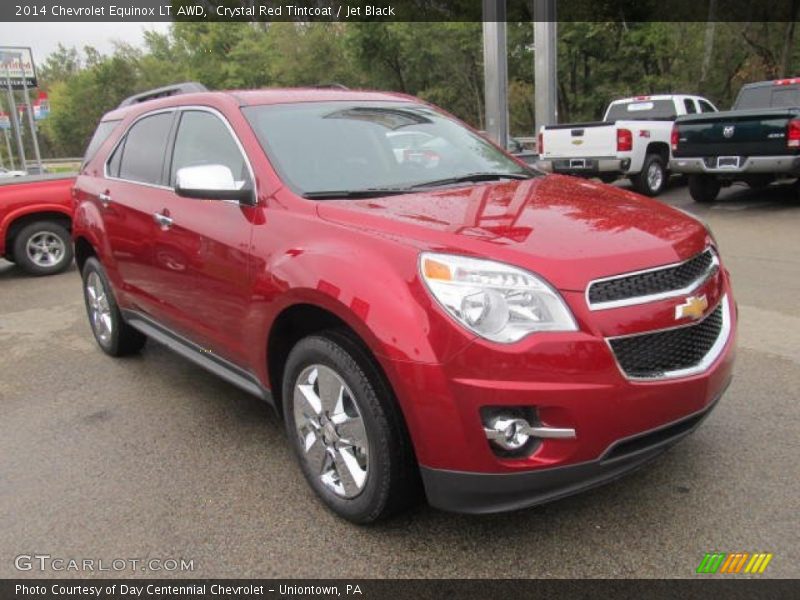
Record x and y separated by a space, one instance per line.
152 457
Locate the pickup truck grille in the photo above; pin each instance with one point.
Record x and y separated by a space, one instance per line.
671 352
644 286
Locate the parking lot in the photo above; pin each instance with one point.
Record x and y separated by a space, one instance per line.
151 456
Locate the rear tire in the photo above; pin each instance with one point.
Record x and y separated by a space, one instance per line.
653 176
43 248
346 429
114 336
704 188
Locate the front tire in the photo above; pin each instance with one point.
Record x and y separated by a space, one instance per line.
43 248
704 188
346 429
114 336
653 177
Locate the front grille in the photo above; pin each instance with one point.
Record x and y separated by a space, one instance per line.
656 281
653 355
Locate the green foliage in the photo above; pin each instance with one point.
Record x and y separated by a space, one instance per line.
441 62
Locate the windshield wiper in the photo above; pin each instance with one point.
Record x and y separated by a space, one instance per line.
472 177
367 193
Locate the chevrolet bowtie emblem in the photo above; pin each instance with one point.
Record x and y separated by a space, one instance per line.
694 308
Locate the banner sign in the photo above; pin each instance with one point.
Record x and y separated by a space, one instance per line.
41 106
5 121
16 64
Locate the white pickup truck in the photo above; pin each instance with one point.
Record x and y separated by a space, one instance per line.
633 140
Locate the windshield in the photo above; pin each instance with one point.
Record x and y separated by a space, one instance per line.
645 110
357 146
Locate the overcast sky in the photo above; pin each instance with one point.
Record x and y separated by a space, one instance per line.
44 38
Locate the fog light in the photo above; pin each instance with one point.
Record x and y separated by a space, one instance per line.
508 433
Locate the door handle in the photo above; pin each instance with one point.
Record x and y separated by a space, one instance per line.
164 221
105 199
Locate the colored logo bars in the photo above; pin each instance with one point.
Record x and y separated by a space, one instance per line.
737 562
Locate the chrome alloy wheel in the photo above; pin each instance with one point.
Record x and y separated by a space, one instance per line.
332 435
99 308
655 176
45 249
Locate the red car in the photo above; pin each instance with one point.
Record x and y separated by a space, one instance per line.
35 222
457 323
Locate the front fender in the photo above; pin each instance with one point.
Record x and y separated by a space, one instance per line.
369 282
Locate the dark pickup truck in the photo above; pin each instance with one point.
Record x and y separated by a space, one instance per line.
757 141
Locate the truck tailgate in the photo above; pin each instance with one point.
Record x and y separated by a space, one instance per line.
740 133
579 140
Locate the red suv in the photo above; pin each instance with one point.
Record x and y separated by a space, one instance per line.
424 311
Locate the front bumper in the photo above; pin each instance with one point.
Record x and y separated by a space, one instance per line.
585 167
483 493
572 381
771 165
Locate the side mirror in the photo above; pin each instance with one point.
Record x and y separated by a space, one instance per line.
212 182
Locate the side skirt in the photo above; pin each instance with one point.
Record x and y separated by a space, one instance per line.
220 367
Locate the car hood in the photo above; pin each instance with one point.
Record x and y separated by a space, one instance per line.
566 229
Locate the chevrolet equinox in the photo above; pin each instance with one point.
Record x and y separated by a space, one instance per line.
426 313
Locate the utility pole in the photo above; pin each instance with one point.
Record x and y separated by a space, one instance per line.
545 50
8 149
12 109
495 70
31 123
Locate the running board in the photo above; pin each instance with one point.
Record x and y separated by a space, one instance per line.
200 356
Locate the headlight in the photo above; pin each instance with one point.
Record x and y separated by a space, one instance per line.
497 301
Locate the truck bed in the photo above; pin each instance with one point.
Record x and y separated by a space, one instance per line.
36 178
758 132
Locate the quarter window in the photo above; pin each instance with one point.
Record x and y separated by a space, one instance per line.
203 139
145 146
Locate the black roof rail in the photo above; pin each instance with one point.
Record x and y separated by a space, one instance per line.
188 87
330 86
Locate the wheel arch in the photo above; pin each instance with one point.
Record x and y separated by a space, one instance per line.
661 149
19 221
302 319
83 251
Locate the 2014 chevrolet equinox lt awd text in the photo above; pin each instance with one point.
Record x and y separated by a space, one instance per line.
425 312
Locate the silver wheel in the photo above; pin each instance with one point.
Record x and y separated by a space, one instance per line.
45 249
99 308
333 439
655 176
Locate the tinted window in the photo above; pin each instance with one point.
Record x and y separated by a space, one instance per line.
705 107
145 145
113 163
785 97
641 110
101 134
690 107
203 139
325 146
753 97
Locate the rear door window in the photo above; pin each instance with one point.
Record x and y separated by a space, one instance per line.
705 107
690 107
145 146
